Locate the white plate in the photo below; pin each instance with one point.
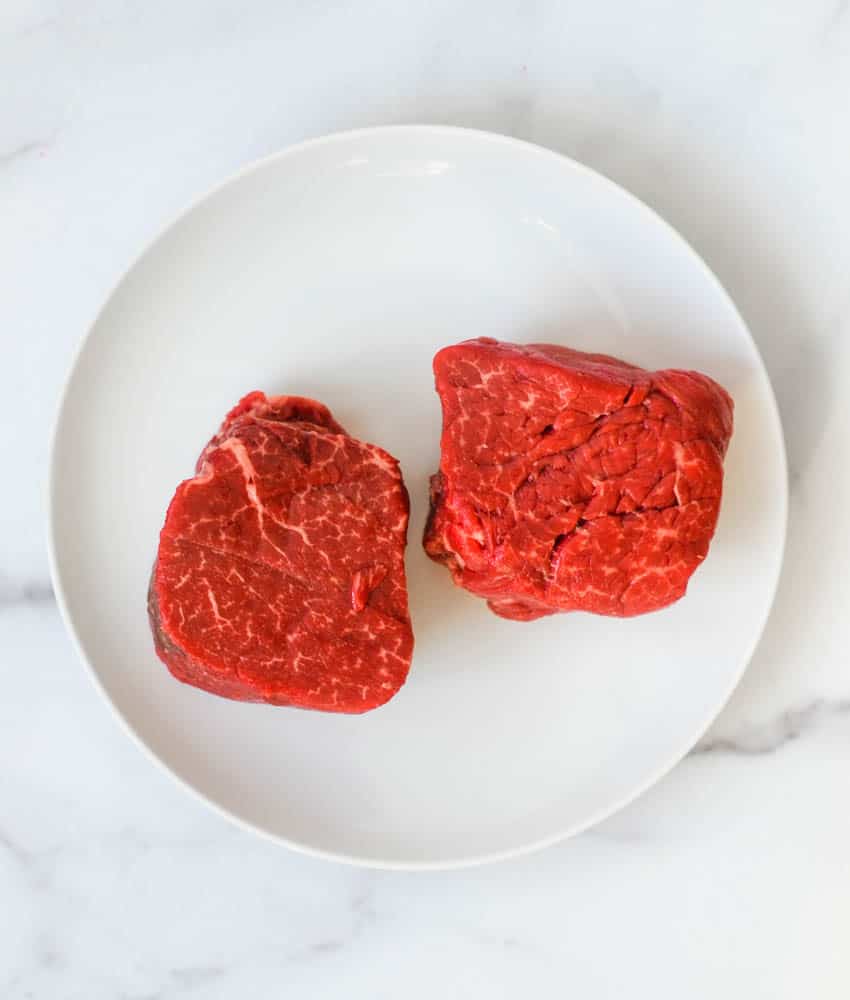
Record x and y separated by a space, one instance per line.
335 270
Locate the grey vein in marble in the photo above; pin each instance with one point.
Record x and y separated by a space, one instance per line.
763 739
835 17
24 149
33 592
20 854
363 915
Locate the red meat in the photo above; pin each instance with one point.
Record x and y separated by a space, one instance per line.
572 481
280 571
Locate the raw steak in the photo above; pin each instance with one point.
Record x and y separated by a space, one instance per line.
572 481
280 571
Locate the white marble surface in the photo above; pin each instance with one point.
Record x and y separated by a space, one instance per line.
732 877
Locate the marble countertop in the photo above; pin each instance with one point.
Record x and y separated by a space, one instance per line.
732 876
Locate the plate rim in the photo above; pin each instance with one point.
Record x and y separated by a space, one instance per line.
306 848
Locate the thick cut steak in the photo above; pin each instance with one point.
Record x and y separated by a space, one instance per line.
280 571
572 481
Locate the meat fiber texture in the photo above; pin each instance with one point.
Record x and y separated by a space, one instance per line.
280 572
572 481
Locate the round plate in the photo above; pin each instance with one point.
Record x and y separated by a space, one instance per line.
335 270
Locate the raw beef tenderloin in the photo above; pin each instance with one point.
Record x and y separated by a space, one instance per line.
280 572
572 481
